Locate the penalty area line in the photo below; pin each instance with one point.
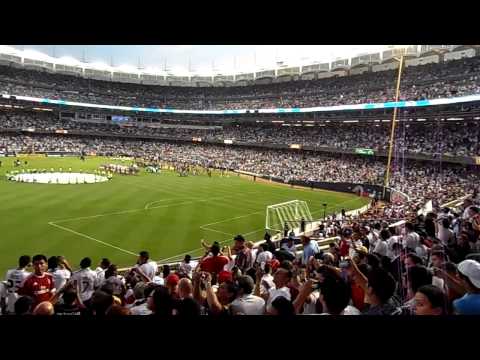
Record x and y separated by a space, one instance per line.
91 238
147 206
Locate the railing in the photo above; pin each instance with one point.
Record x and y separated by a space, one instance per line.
372 106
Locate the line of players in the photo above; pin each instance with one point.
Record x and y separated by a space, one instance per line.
185 170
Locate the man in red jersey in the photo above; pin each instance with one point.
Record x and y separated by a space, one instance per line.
40 285
215 263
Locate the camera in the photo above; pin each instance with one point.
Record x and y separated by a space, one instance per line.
344 264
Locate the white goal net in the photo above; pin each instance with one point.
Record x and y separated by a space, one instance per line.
290 212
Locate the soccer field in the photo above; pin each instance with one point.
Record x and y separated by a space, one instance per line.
162 213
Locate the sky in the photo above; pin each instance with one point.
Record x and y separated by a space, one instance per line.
204 59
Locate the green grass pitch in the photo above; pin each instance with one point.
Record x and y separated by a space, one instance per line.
162 213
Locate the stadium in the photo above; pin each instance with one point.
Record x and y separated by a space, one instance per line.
347 187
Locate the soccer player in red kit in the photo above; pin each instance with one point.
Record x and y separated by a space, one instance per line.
40 285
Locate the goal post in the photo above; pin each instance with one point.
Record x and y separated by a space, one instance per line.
290 212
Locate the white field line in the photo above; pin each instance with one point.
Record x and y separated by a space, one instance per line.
142 209
158 201
217 231
233 218
91 238
96 216
206 226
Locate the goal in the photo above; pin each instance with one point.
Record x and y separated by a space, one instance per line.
290 212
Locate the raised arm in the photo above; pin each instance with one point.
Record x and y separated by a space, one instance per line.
360 278
212 300
303 296
197 291
451 281
205 245
142 274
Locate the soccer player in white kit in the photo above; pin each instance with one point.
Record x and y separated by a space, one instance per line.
13 281
85 278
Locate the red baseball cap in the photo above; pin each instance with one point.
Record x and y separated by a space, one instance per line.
172 279
224 276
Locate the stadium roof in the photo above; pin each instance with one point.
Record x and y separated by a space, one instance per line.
189 60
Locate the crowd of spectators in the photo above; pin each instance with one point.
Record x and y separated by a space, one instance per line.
432 138
420 181
446 79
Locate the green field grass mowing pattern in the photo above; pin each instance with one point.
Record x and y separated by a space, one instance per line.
162 213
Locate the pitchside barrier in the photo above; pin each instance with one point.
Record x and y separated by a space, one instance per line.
366 190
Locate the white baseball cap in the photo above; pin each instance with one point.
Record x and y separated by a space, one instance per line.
471 269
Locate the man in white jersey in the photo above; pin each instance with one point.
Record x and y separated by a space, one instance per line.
13 281
100 271
145 266
411 239
85 278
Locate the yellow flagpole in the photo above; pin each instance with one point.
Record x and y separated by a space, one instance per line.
392 132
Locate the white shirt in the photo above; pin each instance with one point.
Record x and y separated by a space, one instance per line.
438 282
158 280
412 240
248 305
266 283
254 253
116 283
311 308
186 268
292 249
371 240
60 277
231 263
465 215
392 240
351 310
274 293
264 257
422 251
381 248
86 279
140 309
100 276
357 244
148 269
14 280
154 265
444 235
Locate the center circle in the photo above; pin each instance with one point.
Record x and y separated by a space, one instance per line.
58 178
